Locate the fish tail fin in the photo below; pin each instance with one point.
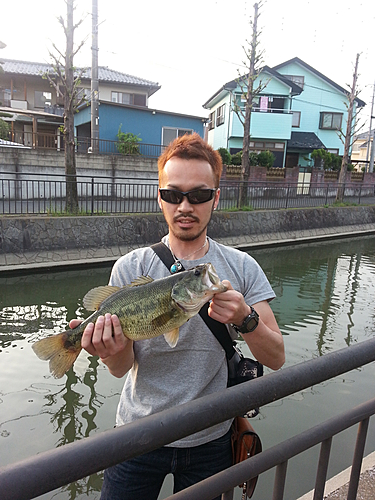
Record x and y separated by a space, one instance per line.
60 352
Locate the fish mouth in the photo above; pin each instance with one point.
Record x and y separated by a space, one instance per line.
211 284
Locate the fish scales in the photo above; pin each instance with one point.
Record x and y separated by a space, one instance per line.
145 308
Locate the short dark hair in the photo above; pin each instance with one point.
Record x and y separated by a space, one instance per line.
192 147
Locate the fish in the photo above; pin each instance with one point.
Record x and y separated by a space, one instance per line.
146 309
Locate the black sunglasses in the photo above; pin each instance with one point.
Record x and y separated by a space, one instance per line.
195 196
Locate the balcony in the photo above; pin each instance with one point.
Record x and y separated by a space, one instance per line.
270 124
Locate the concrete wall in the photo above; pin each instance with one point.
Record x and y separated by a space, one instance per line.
44 162
33 242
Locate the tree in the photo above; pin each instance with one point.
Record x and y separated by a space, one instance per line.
248 93
66 81
348 135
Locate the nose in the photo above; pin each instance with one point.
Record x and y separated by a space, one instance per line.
185 206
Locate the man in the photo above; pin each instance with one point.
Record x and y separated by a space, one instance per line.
160 376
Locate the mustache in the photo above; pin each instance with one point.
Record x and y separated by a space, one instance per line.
185 216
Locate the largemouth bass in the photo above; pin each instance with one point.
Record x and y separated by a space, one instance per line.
146 308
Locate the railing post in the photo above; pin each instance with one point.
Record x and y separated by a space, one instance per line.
321 474
92 195
357 459
279 485
287 196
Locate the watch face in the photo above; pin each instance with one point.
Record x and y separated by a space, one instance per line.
251 324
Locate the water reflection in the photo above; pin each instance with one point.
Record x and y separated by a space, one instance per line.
325 301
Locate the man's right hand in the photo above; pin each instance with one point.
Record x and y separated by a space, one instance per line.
105 339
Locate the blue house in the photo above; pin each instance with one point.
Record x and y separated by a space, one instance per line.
271 120
299 110
124 102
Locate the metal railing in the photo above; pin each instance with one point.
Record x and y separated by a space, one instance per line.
40 194
40 140
53 469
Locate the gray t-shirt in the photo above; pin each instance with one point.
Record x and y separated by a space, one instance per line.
163 377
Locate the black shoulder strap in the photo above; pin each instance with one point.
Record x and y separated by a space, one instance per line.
218 329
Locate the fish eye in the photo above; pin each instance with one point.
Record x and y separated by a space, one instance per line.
197 272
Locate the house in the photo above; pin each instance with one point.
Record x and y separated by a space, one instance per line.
34 107
362 145
271 121
299 110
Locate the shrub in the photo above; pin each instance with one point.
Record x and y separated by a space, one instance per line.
253 157
128 143
4 129
266 159
236 159
225 155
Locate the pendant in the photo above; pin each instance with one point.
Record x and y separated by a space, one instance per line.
176 267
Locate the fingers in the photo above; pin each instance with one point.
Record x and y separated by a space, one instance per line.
73 323
105 337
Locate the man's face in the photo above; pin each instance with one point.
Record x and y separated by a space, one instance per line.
187 221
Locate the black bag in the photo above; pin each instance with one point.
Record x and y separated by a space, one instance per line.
240 369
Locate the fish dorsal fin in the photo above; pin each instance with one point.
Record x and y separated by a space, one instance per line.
172 337
95 296
141 280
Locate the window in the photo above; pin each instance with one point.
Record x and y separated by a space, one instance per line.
220 115
298 80
211 123
296 118
127 98
42 99
83 93
169 134
330 121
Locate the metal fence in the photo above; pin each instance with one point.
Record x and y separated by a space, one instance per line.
40 140
53 469
41 194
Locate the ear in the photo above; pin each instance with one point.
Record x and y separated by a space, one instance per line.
217 196
159 201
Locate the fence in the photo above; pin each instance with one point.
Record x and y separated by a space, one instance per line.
40 194
40 140
56 468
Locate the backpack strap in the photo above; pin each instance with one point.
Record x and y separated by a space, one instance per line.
218 329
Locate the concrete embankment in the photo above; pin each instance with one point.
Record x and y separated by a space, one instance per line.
34 242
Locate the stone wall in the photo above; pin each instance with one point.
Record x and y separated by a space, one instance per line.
34 242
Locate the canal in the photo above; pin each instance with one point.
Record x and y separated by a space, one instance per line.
325 301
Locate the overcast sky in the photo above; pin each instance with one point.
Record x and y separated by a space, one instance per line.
192 48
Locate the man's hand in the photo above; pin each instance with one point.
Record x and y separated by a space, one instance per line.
229 306
105 339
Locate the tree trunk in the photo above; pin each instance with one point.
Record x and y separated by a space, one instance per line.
70 157
245 171
348 137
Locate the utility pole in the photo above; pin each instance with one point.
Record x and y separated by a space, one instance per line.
371 165
348 135
369 132
94 81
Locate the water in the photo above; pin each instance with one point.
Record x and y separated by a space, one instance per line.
326 297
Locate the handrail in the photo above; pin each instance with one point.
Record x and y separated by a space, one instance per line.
52 469
278 454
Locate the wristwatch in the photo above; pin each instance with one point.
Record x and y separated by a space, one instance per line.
249 323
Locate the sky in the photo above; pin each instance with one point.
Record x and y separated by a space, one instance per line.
192 48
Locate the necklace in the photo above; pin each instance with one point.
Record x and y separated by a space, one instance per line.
177 266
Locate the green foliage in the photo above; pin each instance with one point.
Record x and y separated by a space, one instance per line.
128 142
266 159
253 157
225 155
236 159
350 167
4 129
330 160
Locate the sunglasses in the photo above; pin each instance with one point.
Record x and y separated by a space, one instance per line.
195 196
